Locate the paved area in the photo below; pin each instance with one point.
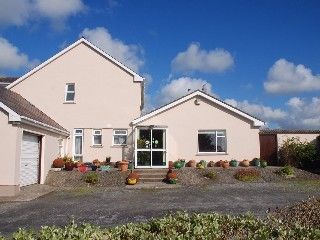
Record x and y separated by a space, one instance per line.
29 193
108 207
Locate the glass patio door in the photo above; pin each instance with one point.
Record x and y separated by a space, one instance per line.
150 150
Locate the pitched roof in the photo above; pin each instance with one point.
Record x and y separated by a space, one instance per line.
136 76
25 110
5 81
289 131
256 122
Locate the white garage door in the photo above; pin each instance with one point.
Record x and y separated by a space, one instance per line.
29 164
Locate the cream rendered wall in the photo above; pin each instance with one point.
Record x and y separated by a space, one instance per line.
303 137
10 152
184 121
106 97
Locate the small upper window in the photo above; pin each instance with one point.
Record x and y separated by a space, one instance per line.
120 137
97 137
70 92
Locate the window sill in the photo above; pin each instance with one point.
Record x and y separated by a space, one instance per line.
69 102
96 146
119 146
212 154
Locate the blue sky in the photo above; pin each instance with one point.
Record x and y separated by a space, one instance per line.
260 56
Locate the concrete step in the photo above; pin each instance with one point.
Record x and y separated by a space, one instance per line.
153 175
150 179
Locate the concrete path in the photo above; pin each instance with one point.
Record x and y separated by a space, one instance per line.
108 207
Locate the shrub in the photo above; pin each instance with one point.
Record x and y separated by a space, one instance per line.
247 175
180 226
58 163
91 178
286 171
297 153
212 175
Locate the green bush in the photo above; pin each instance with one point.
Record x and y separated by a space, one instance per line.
91 178
247 175
212 175
286 171
299 154
181 226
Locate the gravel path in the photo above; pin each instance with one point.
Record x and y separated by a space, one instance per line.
112 206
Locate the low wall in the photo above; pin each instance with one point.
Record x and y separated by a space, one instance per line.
113 178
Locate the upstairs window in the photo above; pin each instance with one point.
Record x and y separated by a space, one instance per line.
97 137
120 137
212 141
70 92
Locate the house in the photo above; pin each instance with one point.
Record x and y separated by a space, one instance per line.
94 104
5 81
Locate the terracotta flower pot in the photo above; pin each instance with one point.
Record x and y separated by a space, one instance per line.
58 163
123 166
220 163
225 164
245 163
192 163
131 181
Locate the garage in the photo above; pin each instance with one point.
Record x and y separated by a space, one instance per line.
30 159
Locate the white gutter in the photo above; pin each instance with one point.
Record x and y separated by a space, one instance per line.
43 126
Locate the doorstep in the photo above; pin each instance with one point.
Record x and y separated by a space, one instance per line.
153 185
29 193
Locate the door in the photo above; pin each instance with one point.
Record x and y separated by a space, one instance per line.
30 156
150 150
269 148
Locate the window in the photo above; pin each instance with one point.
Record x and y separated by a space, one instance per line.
70 92
78 144
97 137
212 141
120 137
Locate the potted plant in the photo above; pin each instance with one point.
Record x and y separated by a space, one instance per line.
58 164
68 163
263 164
108 160
203 163
96 162
234 163
133 178
178 164
245 163
219 164
82 168
256 162
105 168
171 177
225 164
123 166
211 164
192 163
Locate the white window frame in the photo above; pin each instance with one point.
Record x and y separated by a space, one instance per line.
114 134
96 134
75 134
216 134
68 91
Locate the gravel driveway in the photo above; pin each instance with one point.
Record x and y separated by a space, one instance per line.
107 207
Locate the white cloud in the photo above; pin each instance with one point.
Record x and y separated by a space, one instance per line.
284 77
303 113
14 12
12 59
196 59
130 55
258 110
19 12
177 88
